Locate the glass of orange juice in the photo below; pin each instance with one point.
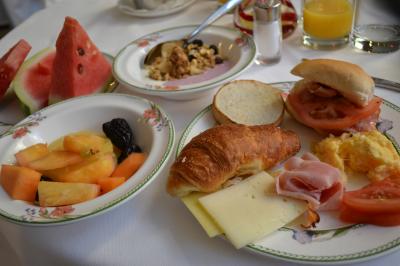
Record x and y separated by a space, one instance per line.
327 23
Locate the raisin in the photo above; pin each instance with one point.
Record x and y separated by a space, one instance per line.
119 132
81 52
80 68
218 60
191 57
215 48
198 42
185 44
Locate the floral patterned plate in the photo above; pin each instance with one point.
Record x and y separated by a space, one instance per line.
236 48
332 242
153 130
127 7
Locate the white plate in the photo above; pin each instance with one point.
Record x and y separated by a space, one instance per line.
237 48
154 133
332 242
126 7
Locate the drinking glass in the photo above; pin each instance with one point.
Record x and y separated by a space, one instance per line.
327 23
376 26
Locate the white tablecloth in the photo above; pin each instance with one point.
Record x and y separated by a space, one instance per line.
153 228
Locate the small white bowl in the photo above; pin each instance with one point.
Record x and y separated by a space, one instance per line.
237 49
153 131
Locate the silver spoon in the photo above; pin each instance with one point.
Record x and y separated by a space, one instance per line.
156 50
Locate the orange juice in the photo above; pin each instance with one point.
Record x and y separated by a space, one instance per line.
327 19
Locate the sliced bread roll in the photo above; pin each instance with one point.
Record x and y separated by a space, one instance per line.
248 102
347 78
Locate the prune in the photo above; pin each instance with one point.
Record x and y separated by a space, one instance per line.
218 60
119 132
198 42
215 48
129 150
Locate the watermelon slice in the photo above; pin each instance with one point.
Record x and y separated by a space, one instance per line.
79 67
10 63
32 82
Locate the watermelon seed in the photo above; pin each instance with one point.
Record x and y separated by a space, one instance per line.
80 68
81 52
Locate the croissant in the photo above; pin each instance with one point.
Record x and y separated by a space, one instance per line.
225 151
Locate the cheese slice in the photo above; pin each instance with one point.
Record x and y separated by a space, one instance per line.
206 221
246 213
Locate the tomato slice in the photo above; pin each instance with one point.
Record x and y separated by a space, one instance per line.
329 113
376 198
383 219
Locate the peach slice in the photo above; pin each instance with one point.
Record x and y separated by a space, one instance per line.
87 144
55 160
52 194
88 171
31 153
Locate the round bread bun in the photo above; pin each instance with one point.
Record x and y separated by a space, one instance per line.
248 102
348 79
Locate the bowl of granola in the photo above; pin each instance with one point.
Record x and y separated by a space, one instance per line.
184 70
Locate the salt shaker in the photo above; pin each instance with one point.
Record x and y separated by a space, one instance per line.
267 31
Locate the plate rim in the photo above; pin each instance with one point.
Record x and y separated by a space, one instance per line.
147 179
153 13
250 42
305 259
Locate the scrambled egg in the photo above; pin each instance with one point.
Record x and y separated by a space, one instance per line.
369 153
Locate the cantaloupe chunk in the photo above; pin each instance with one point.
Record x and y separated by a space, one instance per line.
87 171
20 183
52 194
87 144
130 165
55 160
31 153
109 183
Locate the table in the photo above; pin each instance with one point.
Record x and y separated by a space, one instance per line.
153 228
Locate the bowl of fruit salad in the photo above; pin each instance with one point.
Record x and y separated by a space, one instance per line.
81 157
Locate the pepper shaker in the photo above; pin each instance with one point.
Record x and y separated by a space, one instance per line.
267 31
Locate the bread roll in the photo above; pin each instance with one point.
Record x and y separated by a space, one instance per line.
248 102
348 79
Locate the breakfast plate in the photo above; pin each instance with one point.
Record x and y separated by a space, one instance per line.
152 128
126 7
236 48
332 241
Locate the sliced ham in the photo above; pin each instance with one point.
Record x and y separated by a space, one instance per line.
307 178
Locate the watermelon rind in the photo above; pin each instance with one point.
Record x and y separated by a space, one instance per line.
28 103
